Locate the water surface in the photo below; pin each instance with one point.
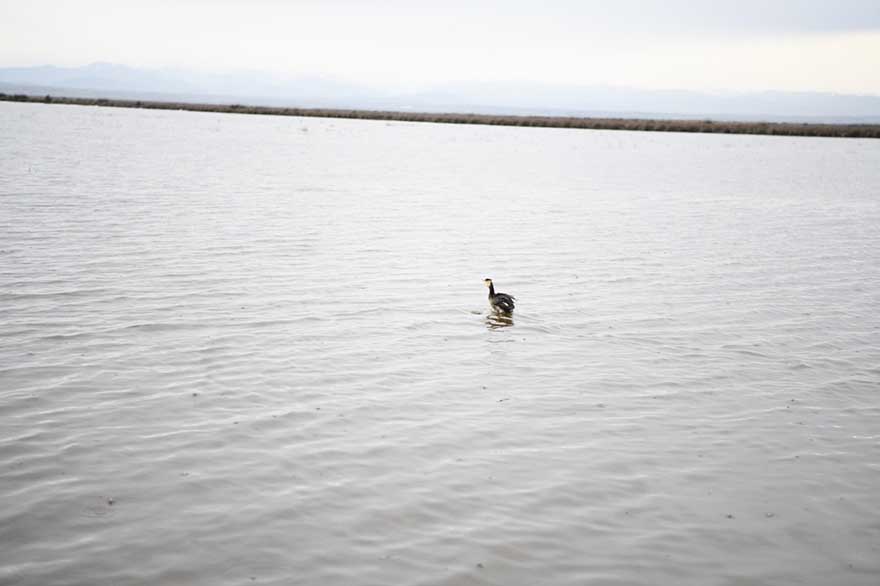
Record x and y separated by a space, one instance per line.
241 349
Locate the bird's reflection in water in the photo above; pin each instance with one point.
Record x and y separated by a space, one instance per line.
496 320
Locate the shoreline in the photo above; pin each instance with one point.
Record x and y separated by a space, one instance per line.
706 126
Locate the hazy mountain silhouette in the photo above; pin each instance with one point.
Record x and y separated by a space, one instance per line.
258 88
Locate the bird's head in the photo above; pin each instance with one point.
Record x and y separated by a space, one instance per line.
487 282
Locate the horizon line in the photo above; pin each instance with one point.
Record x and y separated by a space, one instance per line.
703 126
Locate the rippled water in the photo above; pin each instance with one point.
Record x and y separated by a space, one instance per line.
240 349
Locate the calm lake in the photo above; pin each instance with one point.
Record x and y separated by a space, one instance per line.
257 350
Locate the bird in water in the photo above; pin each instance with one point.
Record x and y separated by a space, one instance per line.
501 302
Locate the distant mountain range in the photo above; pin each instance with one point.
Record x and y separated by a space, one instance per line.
257 88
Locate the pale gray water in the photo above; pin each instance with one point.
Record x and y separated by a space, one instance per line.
255 350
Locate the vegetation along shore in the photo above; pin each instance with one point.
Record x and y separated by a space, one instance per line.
655 125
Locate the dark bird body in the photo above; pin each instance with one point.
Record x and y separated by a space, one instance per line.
501 302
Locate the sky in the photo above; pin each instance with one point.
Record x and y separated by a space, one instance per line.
723 45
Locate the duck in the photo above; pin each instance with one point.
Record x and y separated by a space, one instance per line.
501 302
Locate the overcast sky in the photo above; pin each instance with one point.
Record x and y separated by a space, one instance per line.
824 45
